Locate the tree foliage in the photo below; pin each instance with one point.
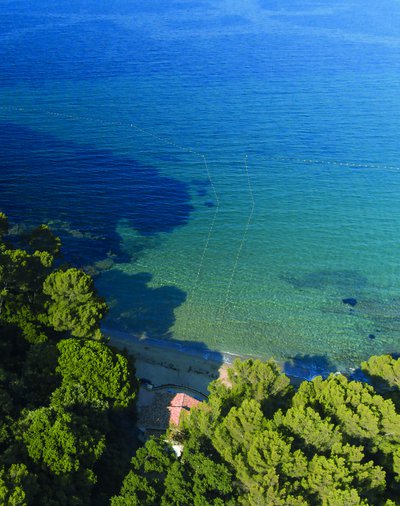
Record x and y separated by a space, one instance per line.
104 376
59 440
384 374
64 393
17 486
74 305
257 441
3 225
42 239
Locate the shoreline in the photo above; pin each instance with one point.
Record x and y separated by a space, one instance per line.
192 366
168 363
193 349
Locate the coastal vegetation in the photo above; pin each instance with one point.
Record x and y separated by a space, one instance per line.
67 413
66 395
259 441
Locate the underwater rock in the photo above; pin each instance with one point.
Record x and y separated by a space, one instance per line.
209 203
371 336
346 281
350 301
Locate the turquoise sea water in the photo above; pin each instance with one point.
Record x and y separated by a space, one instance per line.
229 170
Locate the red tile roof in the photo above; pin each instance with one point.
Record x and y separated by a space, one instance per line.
178 403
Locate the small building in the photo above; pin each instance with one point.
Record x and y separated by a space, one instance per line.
180 403
159 409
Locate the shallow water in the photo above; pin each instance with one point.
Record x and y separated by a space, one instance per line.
228 170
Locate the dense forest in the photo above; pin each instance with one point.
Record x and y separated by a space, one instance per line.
66 395
67 413
258 441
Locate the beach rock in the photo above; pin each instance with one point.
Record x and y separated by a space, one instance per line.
350 301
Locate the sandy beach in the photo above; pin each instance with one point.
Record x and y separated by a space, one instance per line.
164 365
173 363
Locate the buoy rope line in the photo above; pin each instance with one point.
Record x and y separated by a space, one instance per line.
170 142
243 240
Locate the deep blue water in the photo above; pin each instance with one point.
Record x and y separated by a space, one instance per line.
229 170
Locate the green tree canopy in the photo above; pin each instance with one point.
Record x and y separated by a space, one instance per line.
104 377
331 442
384 374
59 440
3 225
42 239
65 403
73 303
17 486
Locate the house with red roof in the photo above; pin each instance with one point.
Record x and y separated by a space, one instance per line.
161 408
180 403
